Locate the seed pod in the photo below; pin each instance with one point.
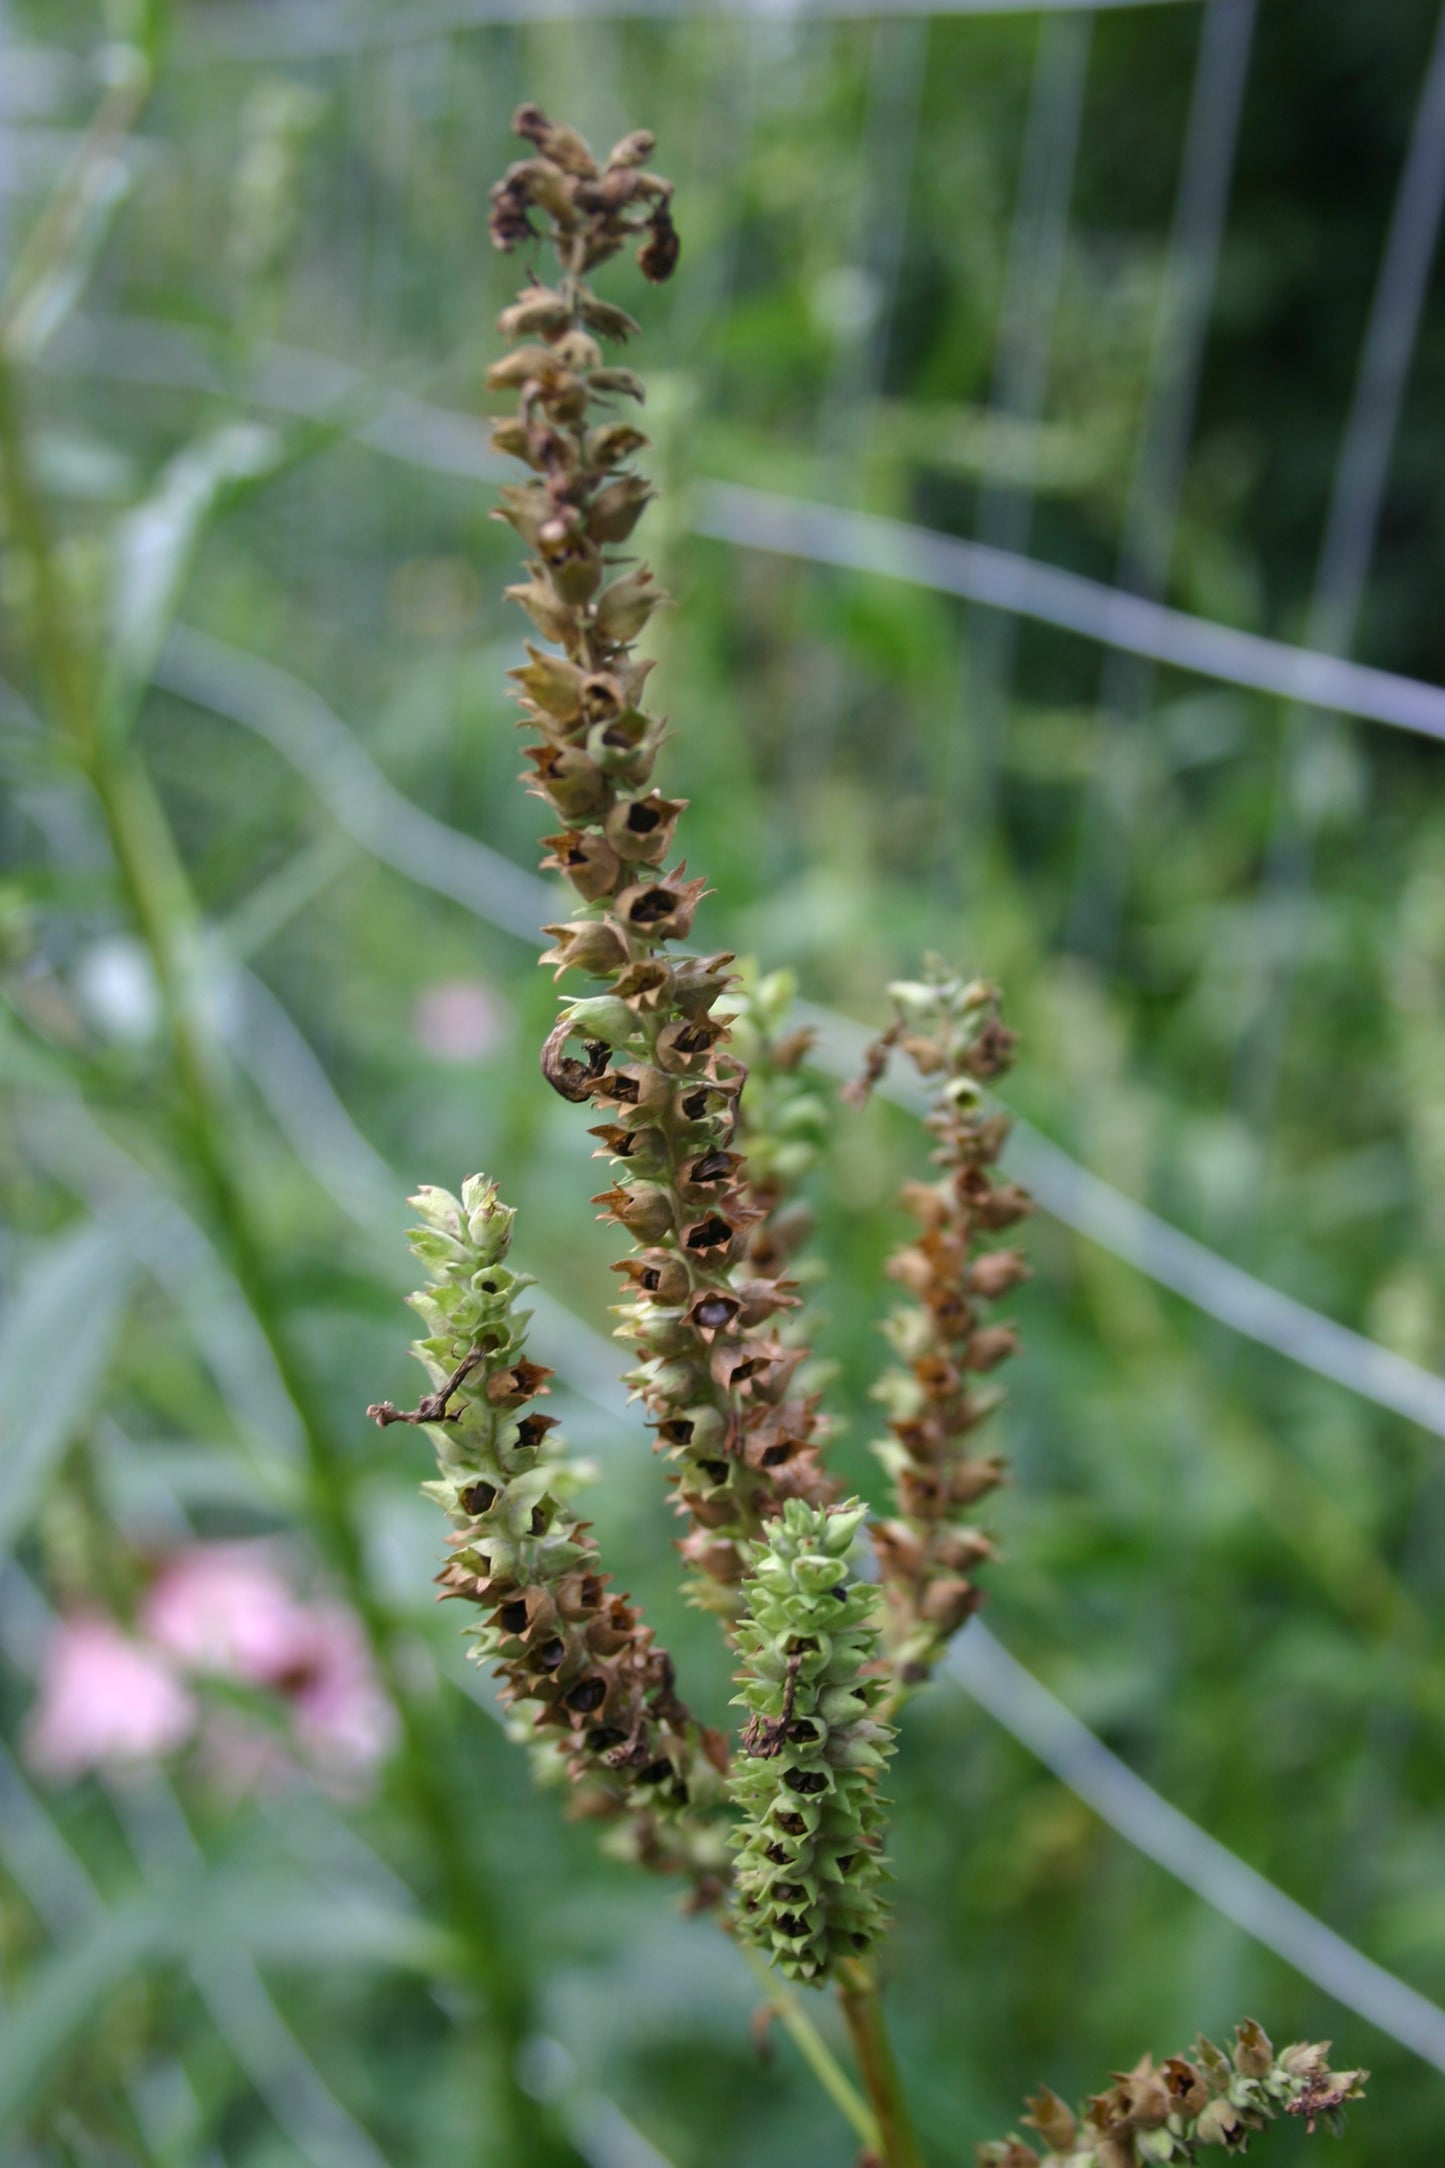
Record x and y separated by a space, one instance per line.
612 443
617 508
552 616
606 319
624 607
537 312
623 382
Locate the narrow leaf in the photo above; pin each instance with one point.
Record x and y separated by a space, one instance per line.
43 301
55 1343
156 545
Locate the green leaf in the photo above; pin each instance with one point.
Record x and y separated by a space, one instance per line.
67 1989
45 299
156 545
54 1347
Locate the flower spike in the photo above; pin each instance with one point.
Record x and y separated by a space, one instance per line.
809 1864
930 1551
650 1051
574 1659
1179 2109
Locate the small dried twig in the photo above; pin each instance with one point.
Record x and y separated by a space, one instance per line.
432 1407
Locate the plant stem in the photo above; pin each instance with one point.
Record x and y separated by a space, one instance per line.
862 2002
163 909
815 2051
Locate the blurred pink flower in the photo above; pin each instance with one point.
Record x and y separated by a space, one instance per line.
104 1701
459 1020
227 1608
344 1723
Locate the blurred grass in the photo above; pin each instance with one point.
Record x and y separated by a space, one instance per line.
1227 1567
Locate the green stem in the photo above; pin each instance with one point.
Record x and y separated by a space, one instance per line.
163 909
815 2051
862 2004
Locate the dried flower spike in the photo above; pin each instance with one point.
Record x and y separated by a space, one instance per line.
806 1778
1176 2109
573 1658
650 1051
945 1338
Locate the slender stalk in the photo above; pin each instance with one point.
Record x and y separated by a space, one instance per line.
814 2050
862 2003
163 909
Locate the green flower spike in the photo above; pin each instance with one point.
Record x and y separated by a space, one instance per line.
574 1659
806 1779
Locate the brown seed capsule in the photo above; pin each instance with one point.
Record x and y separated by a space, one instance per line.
644 1209
658 256
588 861
616 509
537 312
595 945
661 910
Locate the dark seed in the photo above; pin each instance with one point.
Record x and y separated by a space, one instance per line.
604 1738
716 1471
514 1617
846 1862
780 1855
840 1592
806 1780
714 1311
791 1892
773 1456
712 1167
709 1233
642 818
789 1924
792 1823
551 1653
479 1498
587 1695
651 905
805 1729
654 1772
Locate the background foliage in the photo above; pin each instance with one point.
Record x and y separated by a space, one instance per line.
1222 934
